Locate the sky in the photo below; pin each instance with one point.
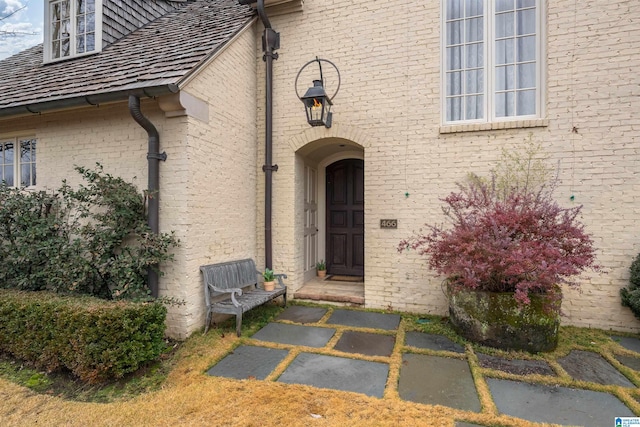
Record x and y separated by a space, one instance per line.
23 28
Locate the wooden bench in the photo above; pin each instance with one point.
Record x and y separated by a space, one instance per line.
228 278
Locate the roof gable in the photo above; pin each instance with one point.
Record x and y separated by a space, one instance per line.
163 52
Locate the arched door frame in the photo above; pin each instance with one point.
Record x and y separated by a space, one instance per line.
322 194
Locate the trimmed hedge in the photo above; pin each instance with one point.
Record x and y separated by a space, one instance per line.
96 340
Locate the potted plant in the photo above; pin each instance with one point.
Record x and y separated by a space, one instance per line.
321 269
507 251
269 280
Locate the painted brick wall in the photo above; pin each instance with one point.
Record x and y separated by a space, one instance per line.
389 56
220 199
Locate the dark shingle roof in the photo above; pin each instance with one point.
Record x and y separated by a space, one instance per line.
161 53
120 17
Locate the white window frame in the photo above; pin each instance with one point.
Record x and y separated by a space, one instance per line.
16 140
48 50
489 68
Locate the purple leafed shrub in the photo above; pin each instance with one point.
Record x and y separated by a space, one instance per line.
514 239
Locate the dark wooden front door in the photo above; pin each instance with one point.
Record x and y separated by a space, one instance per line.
345 217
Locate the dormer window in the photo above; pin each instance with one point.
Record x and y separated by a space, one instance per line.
73 28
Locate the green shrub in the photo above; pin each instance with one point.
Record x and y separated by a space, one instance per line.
96 340
30 233
91 240
631 294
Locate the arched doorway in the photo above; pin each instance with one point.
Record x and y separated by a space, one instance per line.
345 217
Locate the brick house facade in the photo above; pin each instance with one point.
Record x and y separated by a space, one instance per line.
389 114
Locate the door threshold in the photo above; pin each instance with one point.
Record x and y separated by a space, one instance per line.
319 290
346 299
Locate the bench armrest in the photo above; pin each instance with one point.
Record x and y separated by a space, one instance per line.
280 277
232 291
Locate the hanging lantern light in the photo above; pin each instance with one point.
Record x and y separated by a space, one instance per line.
316 102
317 105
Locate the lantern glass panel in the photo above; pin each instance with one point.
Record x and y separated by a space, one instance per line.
317 110
317 105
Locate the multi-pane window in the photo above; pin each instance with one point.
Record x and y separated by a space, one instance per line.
18 162
73 28
491 55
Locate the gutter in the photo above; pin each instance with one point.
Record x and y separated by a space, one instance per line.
270 42
85 100
153 193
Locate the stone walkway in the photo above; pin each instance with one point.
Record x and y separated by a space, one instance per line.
434 371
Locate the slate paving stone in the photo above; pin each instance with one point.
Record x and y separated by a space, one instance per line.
366 343
589 366
430 379
432 342
629 361
557 405
516 367
364 319
630 343
248 362
282 333
437 380
337 373
300 314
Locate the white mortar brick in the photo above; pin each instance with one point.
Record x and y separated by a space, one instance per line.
388 54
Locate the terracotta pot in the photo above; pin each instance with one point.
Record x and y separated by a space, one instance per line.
496 320
269 286
321 273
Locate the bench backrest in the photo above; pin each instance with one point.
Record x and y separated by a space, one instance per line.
232 274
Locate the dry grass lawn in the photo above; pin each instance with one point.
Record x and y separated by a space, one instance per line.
189 397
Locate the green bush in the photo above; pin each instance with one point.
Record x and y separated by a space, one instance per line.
91 240
96 340
30 233
631 294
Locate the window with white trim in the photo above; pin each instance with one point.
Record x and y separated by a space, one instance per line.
492 66
18 161
72 28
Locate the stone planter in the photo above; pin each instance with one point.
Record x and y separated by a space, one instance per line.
494 319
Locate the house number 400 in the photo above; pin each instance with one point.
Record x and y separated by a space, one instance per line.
388 223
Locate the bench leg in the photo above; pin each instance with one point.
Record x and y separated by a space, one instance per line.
207 321
238 322
284 297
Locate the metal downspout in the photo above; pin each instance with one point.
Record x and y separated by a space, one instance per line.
153 159
270 42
